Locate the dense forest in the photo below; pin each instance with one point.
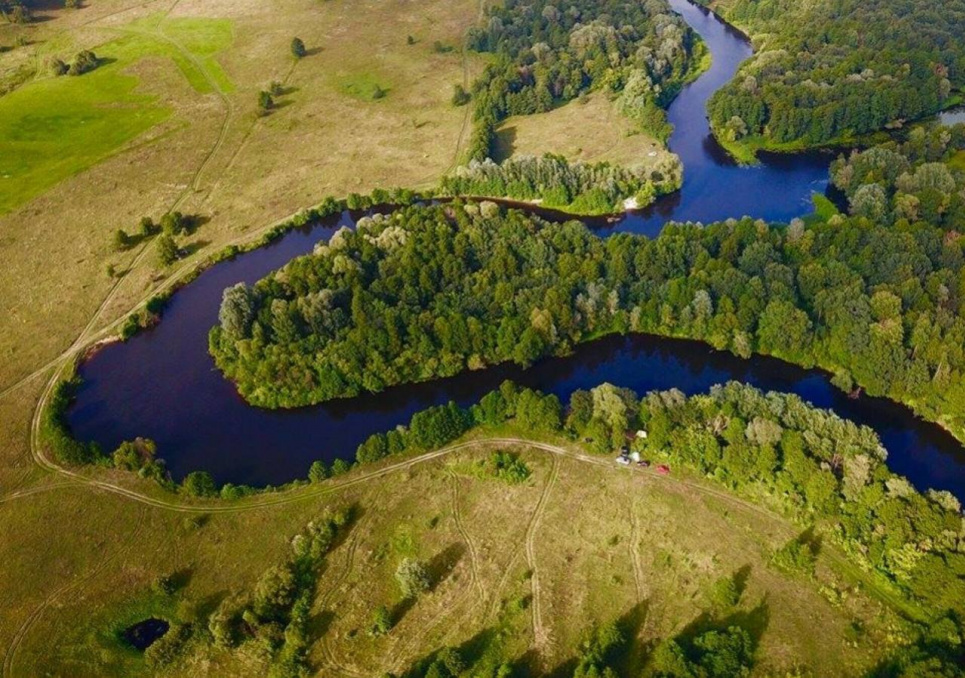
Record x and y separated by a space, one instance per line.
430 291
580 188
920 179
827 70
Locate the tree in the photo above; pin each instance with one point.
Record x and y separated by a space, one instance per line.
298 48
265 102
412 578
237 311
275 593
167 250
121 239
173 223
147 227
317 472
199 484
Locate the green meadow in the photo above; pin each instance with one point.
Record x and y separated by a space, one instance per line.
54 127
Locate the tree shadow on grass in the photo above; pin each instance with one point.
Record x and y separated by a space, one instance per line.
471 652
194 247
505 144
440 567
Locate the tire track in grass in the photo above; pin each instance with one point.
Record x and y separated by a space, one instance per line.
328 653
633 546
540 634
466 595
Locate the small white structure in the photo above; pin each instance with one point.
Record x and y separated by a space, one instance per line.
641 434
634 456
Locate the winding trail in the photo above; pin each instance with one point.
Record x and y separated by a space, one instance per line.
540 634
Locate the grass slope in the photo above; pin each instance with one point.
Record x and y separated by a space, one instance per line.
516 571
55 127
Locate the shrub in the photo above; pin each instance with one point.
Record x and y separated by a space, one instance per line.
298 48
199 484
412 578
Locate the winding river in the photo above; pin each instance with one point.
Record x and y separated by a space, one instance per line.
163 384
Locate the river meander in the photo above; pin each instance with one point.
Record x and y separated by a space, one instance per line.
163 384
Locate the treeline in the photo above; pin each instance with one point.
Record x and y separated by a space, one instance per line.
430 291
833 70
920 179
580 188
545 54
273 619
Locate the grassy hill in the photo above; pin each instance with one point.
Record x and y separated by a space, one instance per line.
519 573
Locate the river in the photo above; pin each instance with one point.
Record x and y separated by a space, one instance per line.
163 385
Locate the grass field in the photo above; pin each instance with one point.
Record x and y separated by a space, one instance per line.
55 127
211 154
591 130
516 571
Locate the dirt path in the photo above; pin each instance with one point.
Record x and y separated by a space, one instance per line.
540 634
633 546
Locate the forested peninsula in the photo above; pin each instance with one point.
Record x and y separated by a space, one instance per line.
828 72
543 56
430 291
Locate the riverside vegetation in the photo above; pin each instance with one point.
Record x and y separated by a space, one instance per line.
827 72
639 54
430 291
822 472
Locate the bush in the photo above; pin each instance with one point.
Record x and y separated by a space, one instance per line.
199 484
412 578
84 62
797 555
460 97
381 621
298 48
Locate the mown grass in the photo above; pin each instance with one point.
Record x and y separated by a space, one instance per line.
56 127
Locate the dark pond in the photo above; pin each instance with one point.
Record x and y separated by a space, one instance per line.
143 634
163 384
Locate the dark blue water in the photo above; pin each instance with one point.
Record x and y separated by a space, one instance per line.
715 187
163 384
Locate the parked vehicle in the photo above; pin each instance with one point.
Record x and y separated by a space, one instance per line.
643 463
623 460
663 470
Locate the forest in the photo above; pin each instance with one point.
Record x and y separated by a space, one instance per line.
580 188
832 71
430 291
918 179
544 56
